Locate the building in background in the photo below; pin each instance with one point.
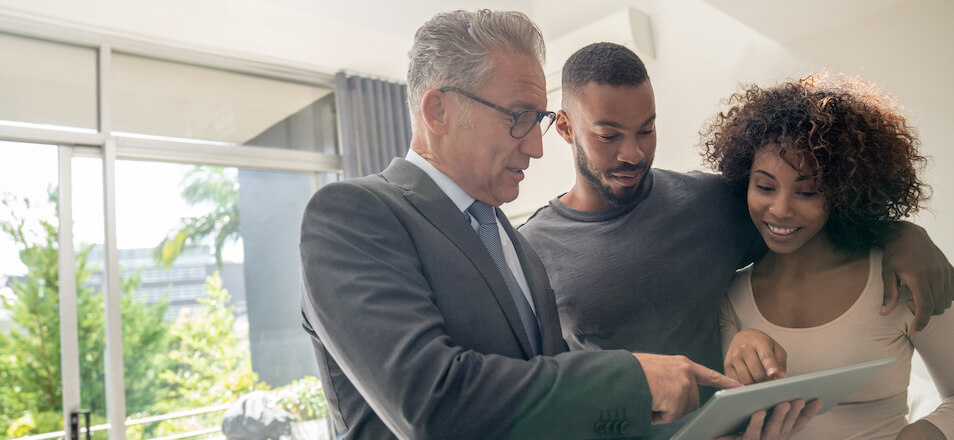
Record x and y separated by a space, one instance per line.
182 284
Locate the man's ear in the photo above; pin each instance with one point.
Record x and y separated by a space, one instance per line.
434 111
564 127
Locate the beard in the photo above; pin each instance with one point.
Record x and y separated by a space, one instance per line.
625 196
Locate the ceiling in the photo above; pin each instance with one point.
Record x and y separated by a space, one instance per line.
785 21
777 19
399 18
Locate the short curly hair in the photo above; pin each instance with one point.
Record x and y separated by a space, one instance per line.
602 63
851 134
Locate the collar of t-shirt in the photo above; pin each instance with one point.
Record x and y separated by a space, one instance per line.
642 191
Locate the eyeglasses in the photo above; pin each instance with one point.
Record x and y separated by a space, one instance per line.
523 121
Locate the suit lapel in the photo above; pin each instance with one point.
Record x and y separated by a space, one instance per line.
544 302
441 212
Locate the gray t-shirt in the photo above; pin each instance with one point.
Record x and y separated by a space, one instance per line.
649 276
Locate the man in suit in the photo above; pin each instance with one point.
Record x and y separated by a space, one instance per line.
430 316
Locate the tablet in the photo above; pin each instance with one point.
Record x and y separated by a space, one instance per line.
729 410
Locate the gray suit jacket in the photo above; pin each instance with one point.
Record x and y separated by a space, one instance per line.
417 337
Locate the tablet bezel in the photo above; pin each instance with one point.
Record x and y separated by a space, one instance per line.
728 410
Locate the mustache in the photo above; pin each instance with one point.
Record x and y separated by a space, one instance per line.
629 167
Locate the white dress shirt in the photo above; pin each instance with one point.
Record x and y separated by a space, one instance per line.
463 201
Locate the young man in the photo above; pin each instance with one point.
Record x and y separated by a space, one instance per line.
639 258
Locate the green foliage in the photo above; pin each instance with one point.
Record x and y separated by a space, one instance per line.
204 185
196 361
303 398
8 391
27 424
30 352
145 340
22 426
209 363
32 347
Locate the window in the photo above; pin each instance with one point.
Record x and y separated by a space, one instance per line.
47 83
29 289
184 190
175 100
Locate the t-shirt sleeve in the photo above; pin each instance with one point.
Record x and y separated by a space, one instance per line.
750 240
728 324
934 345
755 245
750 246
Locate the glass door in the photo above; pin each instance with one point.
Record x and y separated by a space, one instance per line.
208 258
31 397
131 296
34 357
52 329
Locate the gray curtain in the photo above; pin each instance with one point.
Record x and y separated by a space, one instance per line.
374 124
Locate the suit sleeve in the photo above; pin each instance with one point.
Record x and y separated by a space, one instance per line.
369 302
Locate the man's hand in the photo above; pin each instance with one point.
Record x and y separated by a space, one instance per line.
754 357
912 261
673 382
788 418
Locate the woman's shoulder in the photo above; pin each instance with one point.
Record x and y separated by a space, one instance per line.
740 286
875 280
873 295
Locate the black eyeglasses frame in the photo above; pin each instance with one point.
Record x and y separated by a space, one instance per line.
515 115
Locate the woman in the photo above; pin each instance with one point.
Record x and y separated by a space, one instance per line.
827 165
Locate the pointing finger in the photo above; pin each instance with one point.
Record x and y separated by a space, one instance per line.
711 378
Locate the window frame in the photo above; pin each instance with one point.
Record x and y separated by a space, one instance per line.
109 147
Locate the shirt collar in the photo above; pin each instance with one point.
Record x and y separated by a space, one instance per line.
453 191
642 192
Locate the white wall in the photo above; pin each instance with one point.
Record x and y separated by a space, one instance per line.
908 51
702 56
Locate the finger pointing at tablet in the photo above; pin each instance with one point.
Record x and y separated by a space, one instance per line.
673 382
753 356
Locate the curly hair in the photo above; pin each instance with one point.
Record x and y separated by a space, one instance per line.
853 136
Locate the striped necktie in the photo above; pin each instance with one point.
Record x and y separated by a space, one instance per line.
486 217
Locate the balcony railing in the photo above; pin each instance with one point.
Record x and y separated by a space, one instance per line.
147 420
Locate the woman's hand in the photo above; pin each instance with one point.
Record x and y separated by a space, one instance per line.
754 357
788 418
